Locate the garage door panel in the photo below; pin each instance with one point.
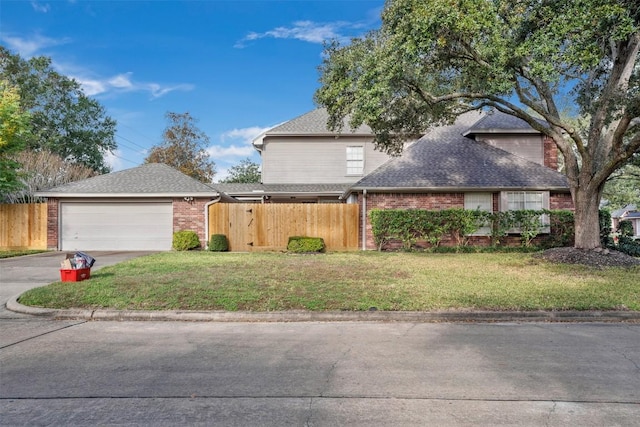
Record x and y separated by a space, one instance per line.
116 226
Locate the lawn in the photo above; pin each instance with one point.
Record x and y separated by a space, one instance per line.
14 253
345 281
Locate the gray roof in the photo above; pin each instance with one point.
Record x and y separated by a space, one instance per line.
148 180
445 160
497 122
259 189
620 212
315 123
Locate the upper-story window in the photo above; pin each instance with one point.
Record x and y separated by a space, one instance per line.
355 160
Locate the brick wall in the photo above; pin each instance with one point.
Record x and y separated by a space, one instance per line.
429 201
53 209
439 201
189 215
559 201
550 153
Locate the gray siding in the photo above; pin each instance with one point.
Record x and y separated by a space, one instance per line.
529 147
314 160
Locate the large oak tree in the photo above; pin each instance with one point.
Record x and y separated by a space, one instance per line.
432 60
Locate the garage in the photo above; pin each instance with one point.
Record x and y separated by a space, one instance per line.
116 225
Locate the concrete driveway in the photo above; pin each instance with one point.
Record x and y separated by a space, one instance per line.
19 274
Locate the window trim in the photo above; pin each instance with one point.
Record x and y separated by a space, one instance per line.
348 155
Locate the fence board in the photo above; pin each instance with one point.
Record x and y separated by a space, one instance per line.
23 226
258 227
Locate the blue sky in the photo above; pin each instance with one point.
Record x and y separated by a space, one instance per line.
239 67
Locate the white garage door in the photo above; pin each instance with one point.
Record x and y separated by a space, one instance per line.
116 226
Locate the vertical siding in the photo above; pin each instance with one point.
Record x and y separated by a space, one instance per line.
256 227
23 226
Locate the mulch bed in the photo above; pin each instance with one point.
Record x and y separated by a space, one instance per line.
597 258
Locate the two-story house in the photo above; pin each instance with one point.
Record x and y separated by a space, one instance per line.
484 160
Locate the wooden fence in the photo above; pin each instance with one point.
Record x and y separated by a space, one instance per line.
23 226
267 227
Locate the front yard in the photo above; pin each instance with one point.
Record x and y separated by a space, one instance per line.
345 281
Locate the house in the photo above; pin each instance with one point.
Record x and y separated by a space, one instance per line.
484 160
305 162
628 213
133 209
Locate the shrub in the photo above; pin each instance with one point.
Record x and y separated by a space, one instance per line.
301 244
185 240
218 243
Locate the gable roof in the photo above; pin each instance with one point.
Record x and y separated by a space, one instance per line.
445 160
313 123
147 180
497 122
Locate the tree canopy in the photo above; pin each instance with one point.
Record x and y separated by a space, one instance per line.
246 172
184 148
434 59
14 125
63 119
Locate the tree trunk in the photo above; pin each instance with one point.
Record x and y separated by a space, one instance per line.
587 224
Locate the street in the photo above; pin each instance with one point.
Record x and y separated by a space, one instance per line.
344 373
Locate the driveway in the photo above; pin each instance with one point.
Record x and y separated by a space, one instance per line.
19 274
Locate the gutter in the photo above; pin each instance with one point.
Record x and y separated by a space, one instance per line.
364 219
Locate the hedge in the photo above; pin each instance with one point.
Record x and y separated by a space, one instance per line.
412 225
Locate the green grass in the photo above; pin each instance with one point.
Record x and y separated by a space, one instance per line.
345 281
9 254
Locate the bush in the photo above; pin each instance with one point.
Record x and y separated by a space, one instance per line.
218 243
301 244
185 240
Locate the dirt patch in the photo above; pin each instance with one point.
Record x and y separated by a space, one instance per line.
598 258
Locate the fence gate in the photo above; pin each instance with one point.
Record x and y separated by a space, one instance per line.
267 227
23 226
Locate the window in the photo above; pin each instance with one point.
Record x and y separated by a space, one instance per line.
355 160
481 202
521 200
527 200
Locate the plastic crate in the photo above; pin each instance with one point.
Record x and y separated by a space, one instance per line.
76 275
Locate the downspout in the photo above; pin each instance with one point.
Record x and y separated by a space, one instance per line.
206 218
364 219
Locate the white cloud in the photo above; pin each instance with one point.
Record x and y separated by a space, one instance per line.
125 83
30 47
218 152
308 31
246 134
40 7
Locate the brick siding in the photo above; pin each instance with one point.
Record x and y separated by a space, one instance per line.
189 215
440 201
53 209
550 153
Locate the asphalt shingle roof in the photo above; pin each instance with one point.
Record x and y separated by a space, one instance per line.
245 189
146 180
497 122
444 159
314 123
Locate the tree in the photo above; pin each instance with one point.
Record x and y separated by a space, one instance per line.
623 186
183 148
14 124
434 59
41 170
246 172
64 120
